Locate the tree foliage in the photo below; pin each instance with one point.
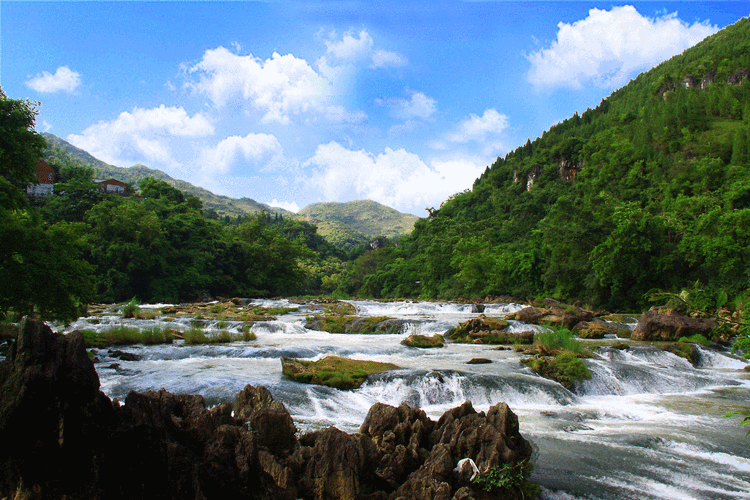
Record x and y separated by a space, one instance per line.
647 191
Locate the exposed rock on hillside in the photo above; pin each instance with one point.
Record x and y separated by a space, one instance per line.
63 438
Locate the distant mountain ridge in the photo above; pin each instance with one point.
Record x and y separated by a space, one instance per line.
361 220
223 205
343 224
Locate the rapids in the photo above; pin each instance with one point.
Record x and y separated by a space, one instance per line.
648 425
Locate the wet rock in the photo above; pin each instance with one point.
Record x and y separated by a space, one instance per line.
670 325
479 361
553 312
424 341
124 356
270 419
477 308
337 466
486 330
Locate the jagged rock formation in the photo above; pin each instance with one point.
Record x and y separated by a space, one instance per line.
63 438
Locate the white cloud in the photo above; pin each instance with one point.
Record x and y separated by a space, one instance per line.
144 135
291 206
339 114
417 106
385 58
64 79
480 129
279 87
254 148
608 47
350 48
395 177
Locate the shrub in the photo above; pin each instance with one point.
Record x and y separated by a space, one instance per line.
216 309
507 477
554 341
130 309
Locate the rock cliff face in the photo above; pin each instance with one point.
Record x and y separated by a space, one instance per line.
62 437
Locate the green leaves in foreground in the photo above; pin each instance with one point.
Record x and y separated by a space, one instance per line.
745 421
509 477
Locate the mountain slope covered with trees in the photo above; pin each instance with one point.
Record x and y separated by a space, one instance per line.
59 151
357 222
648 191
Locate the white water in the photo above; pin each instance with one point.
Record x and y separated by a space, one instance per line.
648 425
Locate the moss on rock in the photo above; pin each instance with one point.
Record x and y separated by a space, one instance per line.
333 371
423 341
566 368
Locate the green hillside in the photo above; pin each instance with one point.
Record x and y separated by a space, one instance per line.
648 191
356 222
223 205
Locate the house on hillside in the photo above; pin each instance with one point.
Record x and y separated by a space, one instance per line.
44 185
111 186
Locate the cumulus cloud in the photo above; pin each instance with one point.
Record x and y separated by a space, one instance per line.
350 48
485 132
385 58
279 87
417 105
286 205
64 79
395 177
608 47
254 148
143 135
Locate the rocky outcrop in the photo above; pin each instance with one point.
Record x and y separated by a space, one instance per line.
737 77
670 325
597 328
485 330
554 313
63 438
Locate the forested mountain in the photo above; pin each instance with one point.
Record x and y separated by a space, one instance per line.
60 150
357 222
346 225
648 191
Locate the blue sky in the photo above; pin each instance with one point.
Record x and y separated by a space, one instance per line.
291 103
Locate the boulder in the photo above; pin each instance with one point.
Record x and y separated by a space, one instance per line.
670 325
553 312
424 341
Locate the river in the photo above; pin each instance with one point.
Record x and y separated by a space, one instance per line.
648 425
